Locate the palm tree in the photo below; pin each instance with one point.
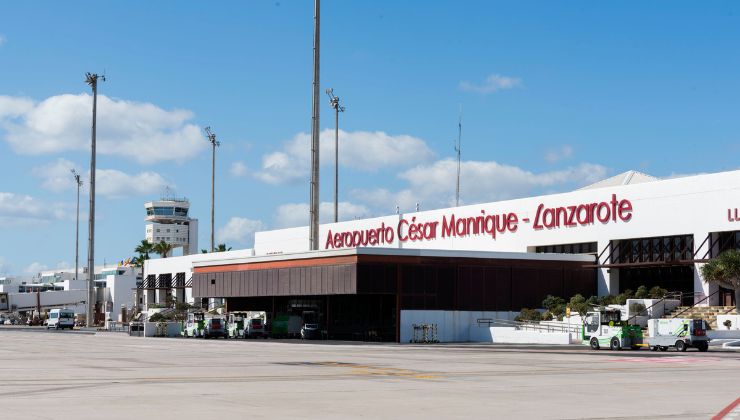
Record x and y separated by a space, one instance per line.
222 248
725 271
162 248
144 248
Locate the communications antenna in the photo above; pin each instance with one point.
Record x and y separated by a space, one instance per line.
78 180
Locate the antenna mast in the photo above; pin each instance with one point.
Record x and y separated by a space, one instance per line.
212 139
334 102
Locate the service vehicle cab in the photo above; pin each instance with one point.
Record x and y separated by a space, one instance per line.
677 332
215 327
236 324
194 325
60 319
606 328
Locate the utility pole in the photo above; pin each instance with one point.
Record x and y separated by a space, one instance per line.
214 143
92 80
314 223
457 149
78 181
334 102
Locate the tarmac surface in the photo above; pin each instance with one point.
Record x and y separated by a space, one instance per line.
74 375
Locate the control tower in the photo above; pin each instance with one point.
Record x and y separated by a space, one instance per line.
167 220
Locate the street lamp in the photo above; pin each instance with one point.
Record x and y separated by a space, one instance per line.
92 80
78 181
214 143
334 103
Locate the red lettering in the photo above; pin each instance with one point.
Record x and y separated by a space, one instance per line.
329 241
512 222
625 210
447 228
603 205
400 233
614 207
580 211
537 224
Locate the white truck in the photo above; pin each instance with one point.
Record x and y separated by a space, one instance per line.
605 328
60 319
680 333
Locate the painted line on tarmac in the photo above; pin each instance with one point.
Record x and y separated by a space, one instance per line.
732 411
667 360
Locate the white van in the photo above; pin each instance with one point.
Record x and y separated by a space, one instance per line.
60 319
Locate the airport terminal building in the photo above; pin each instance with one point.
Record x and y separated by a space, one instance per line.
485 260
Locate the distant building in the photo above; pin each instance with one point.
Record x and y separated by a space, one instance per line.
168 221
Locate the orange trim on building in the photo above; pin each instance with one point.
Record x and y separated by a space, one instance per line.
308 262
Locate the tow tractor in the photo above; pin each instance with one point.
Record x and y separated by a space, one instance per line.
236 324
194 325
605 327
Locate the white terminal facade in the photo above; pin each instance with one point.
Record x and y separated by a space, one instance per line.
640 229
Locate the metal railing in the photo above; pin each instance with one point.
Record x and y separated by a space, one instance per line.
695 303
531 326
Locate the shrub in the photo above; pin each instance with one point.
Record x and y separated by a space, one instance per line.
555 305
637 308
579 304
158 317
642 293
527 314
727 323
657 292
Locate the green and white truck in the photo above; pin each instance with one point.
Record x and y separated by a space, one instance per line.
194 325
605 328
680 333
237 324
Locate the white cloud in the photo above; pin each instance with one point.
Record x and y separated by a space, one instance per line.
297 214
34 268
116 184
239 230
23 209
139 131
433 186
238 169
361 150
63 265
56 177
2 40
491 84
556 155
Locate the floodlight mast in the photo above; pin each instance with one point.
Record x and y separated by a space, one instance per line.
334 103
314 208
78 180
212 139
92 80
458 147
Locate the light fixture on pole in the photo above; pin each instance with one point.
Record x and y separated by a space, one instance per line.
78 181
334 102
214 143
314 206
92 80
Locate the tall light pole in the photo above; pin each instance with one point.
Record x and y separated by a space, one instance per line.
214 144
334 102
458 148
92 80
314 223
78 181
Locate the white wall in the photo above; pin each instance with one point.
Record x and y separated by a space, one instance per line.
510 335
689 205
452 326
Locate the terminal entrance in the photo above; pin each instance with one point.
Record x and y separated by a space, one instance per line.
672 278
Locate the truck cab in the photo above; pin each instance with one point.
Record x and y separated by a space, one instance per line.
605 328
194 325
215 327
237 324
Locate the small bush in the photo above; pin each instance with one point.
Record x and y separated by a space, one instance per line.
527 314
657 292
727 323
642 293
637 308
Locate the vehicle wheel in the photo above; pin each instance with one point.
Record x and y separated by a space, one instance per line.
702 346
654 348
680 346
615 345
594 344
663 348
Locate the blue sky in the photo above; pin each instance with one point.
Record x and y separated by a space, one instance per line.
555 95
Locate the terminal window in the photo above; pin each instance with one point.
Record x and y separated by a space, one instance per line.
579 248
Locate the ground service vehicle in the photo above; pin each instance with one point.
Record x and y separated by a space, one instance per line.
255 325
606 328
310 332
678 333
61 319
194 325
215 327
237 324
286 325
